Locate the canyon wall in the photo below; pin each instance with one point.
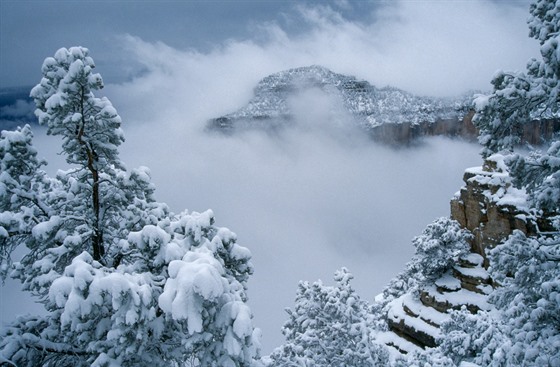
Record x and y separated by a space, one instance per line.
534 132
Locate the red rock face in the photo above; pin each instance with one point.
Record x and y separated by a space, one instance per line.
477 210
534 132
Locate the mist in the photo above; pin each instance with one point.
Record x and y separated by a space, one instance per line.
306 200
306 204
319 195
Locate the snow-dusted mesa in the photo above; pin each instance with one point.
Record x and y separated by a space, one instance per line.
124 281
316 96
352 101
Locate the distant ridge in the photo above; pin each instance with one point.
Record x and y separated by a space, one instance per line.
370 106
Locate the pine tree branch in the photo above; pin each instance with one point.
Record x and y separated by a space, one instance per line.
35 342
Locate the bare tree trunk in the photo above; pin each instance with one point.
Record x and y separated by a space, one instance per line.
97 237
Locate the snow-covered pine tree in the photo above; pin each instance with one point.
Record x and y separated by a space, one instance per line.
90 131
124 281
20 201
523 329
329 326
441 244
528 270
539 174
519 97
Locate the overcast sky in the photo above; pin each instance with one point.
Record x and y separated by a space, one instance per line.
411 44
305 203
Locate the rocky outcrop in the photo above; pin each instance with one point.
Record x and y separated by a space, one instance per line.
534 132
491 209
414 319
406 133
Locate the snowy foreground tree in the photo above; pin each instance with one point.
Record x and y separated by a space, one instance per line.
520 97
124 281
333 326
441 245
524 328
329 326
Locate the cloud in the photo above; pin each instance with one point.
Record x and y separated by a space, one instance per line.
18 109
427 47
19 113
319 196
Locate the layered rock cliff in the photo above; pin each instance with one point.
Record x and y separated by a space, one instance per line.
491 209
